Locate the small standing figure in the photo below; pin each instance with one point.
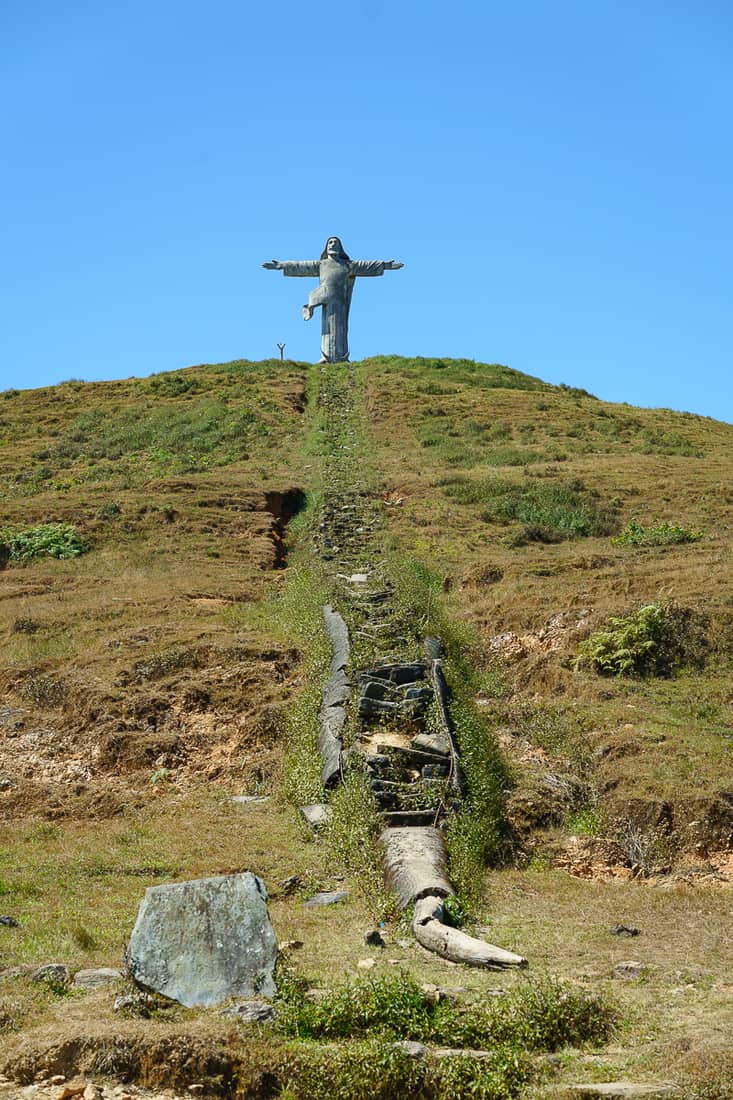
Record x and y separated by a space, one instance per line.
336 273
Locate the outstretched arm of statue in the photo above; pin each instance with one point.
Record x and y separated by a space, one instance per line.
299 268
366 268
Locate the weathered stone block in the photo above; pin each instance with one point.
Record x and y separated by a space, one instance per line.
205 941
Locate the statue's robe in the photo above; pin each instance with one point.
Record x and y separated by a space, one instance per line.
333 294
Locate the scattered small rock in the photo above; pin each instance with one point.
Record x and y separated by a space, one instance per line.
366 964
71 1091
250 1012
435 994
460 1052
411 1048
325 897
137 1003
629 969
101 975
317 815
315 995
52 974
374 938
621 1090
249 799
624 930
290 945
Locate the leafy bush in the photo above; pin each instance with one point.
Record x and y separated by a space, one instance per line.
657 534
564 509
394 1005
47 540
652 641
371 1070
497 1077
377 1070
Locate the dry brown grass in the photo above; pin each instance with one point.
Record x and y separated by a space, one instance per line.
499 587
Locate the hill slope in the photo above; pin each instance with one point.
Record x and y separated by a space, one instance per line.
153 675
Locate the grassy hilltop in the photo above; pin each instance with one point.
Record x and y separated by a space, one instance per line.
161 651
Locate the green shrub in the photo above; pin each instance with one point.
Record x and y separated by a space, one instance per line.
652 641
538 1015
47 540
657 534
370 1070
497 1077
394 1005
658 442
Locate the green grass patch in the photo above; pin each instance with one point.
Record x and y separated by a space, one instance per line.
465 371
168 437
46 540
552 510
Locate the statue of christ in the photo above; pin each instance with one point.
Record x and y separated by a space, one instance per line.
336 274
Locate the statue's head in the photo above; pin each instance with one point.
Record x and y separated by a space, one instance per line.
334 250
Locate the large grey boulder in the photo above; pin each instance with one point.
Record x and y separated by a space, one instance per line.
205 941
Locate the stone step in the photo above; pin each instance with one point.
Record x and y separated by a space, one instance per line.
398 819
407 755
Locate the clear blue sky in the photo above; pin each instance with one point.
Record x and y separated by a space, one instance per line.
556 175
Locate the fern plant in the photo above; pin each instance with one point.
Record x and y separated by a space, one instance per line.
652 641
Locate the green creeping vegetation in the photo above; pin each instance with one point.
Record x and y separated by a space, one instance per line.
475 442
656 534
477 833
537 1016
352 838
651 641
298 613
551 512
47 540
